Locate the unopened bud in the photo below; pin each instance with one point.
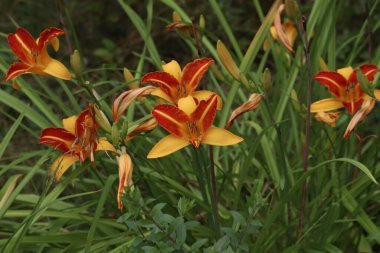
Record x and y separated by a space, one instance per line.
130 79
227 61
102 120
291 8
115 134
266 79
202 22
76 63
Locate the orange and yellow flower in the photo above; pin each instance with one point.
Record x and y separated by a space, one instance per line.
33 54
124 162
189 123
78 139
174 83
343 84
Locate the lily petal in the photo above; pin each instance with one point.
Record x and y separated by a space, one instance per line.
206 94
69 123
368 70
22 45
205 113
346 72
172 119
16 69
161 94
193 73
187 105
168 83
105 145
325 105
332 80
167 145
57 69
47 36
58 138
173 69
220 137
61 164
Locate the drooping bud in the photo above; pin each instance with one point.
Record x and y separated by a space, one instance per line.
125 167
102 120
130 79
291 8
252 103
76 63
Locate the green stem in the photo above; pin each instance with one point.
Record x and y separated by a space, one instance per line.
214 192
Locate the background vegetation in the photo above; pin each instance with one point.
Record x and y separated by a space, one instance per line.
259 181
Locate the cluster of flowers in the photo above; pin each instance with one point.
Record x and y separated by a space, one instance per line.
187 113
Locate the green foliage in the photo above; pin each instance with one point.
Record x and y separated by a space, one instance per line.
170 205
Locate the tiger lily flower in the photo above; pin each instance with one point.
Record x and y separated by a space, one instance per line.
78 139
33 54
174 83
189 123
343 84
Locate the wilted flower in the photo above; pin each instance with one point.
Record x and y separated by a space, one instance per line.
252 103
33 54
121 103
189 123
285 32
365 109
125 175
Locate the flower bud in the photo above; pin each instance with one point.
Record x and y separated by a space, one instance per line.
130 79
266 79
202 22
291 8
115 134
102 120
227 61
76 63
